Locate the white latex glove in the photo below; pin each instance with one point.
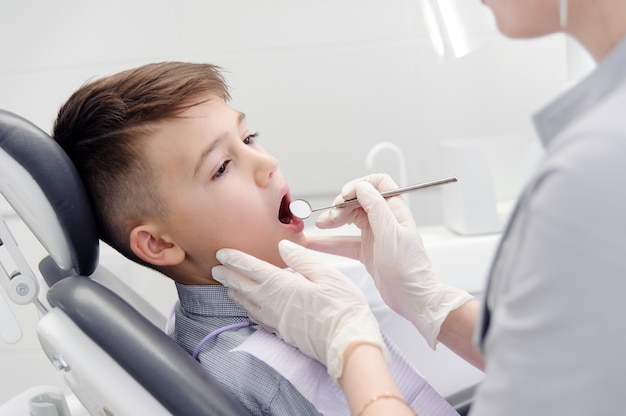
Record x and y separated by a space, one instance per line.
392 251
321 312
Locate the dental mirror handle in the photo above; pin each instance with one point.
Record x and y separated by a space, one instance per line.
393 192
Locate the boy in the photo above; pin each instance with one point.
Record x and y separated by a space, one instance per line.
174 174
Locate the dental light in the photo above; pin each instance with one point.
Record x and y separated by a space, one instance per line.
455 26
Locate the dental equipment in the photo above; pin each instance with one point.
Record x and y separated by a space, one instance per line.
302 209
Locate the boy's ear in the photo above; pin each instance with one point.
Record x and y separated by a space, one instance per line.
151 247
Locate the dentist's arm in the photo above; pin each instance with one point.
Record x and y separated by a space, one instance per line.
393 253
322 313
369 386
457 333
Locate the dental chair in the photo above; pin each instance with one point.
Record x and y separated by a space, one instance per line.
101 336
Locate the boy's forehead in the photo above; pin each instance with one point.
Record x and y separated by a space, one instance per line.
199 127
201 103
214 109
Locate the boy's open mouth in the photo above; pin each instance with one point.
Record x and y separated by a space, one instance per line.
284 215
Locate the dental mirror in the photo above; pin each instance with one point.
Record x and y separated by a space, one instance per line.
302 209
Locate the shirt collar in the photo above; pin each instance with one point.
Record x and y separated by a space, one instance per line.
553 119
208 300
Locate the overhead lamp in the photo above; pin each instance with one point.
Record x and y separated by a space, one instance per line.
455 27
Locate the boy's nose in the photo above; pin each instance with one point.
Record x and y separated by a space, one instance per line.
266 165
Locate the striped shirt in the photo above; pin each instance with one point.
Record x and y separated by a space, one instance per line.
269 376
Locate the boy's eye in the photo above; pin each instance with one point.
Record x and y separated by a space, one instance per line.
221 170
249 139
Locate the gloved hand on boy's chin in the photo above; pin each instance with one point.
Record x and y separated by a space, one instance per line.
321 312
392 251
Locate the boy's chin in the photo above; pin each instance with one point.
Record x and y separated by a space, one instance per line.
299 239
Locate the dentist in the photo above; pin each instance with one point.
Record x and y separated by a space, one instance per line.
549 334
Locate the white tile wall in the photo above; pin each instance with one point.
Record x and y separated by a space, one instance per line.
323 81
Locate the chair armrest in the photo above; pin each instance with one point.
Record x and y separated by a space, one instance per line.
151 357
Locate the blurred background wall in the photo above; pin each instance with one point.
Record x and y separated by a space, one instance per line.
322 81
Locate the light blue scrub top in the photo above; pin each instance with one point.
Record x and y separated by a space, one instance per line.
552 330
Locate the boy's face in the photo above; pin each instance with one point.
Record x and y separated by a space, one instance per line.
221 188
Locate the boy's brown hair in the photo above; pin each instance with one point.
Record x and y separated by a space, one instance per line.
102 128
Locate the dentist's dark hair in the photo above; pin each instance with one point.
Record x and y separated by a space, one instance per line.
103 125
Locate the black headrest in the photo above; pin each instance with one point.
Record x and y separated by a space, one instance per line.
40 182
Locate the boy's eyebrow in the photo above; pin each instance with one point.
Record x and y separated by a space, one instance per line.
240 119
